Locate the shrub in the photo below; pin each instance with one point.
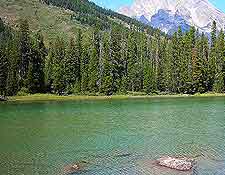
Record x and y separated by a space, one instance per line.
23 92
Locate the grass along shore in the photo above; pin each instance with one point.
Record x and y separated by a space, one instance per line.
52 97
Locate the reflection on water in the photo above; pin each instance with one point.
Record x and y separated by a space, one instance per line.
112 137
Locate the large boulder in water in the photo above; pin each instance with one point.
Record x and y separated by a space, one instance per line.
177 163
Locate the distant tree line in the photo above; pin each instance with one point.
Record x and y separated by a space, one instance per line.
111 62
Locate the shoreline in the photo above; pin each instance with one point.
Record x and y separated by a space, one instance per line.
52 97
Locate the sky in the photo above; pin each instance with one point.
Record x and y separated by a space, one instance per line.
115 4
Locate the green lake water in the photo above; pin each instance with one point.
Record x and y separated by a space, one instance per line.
112 137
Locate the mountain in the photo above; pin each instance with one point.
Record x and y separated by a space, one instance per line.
167 22
168 14
63 17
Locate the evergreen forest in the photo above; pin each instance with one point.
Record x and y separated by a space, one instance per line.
110 58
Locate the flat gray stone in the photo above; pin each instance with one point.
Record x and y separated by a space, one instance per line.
176 163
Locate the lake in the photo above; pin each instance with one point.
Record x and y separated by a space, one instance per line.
112 137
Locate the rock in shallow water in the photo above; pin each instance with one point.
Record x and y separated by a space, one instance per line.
177 163
73 168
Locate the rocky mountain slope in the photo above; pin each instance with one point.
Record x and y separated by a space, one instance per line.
63 17
168 14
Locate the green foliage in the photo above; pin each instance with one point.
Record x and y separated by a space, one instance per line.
94 62
4 59
72 64
3 72
219 85
212 57
150 85
58 66
84 70
133 64
25 50
13 73
124 85
48 70
23 92
107 79
36 78
106 87
117 62
201 64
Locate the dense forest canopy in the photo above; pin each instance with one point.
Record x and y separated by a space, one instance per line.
110 58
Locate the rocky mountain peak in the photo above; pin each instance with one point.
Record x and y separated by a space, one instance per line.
198 13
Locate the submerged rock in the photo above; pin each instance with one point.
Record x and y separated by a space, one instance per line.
73 168
177 163
124 155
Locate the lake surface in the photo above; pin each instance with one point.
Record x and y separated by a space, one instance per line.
112 137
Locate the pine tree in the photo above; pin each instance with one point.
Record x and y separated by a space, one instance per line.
2 26
189 40
124 85
199 82
212 57
36 78
154 62
84 70
149 82
219 74
166 68
185 80
205 55
41 58
25 50
30 80
181 64
58 67
70 65
79 49
133 65
13 73
8 60
3 71
117 63
72 71
175 62
49 70
150 64
162 64
94 63
107 80
202 46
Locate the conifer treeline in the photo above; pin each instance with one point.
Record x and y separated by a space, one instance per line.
114 62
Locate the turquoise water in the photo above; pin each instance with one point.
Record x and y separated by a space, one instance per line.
112 137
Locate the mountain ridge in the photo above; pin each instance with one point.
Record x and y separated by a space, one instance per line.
198 13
